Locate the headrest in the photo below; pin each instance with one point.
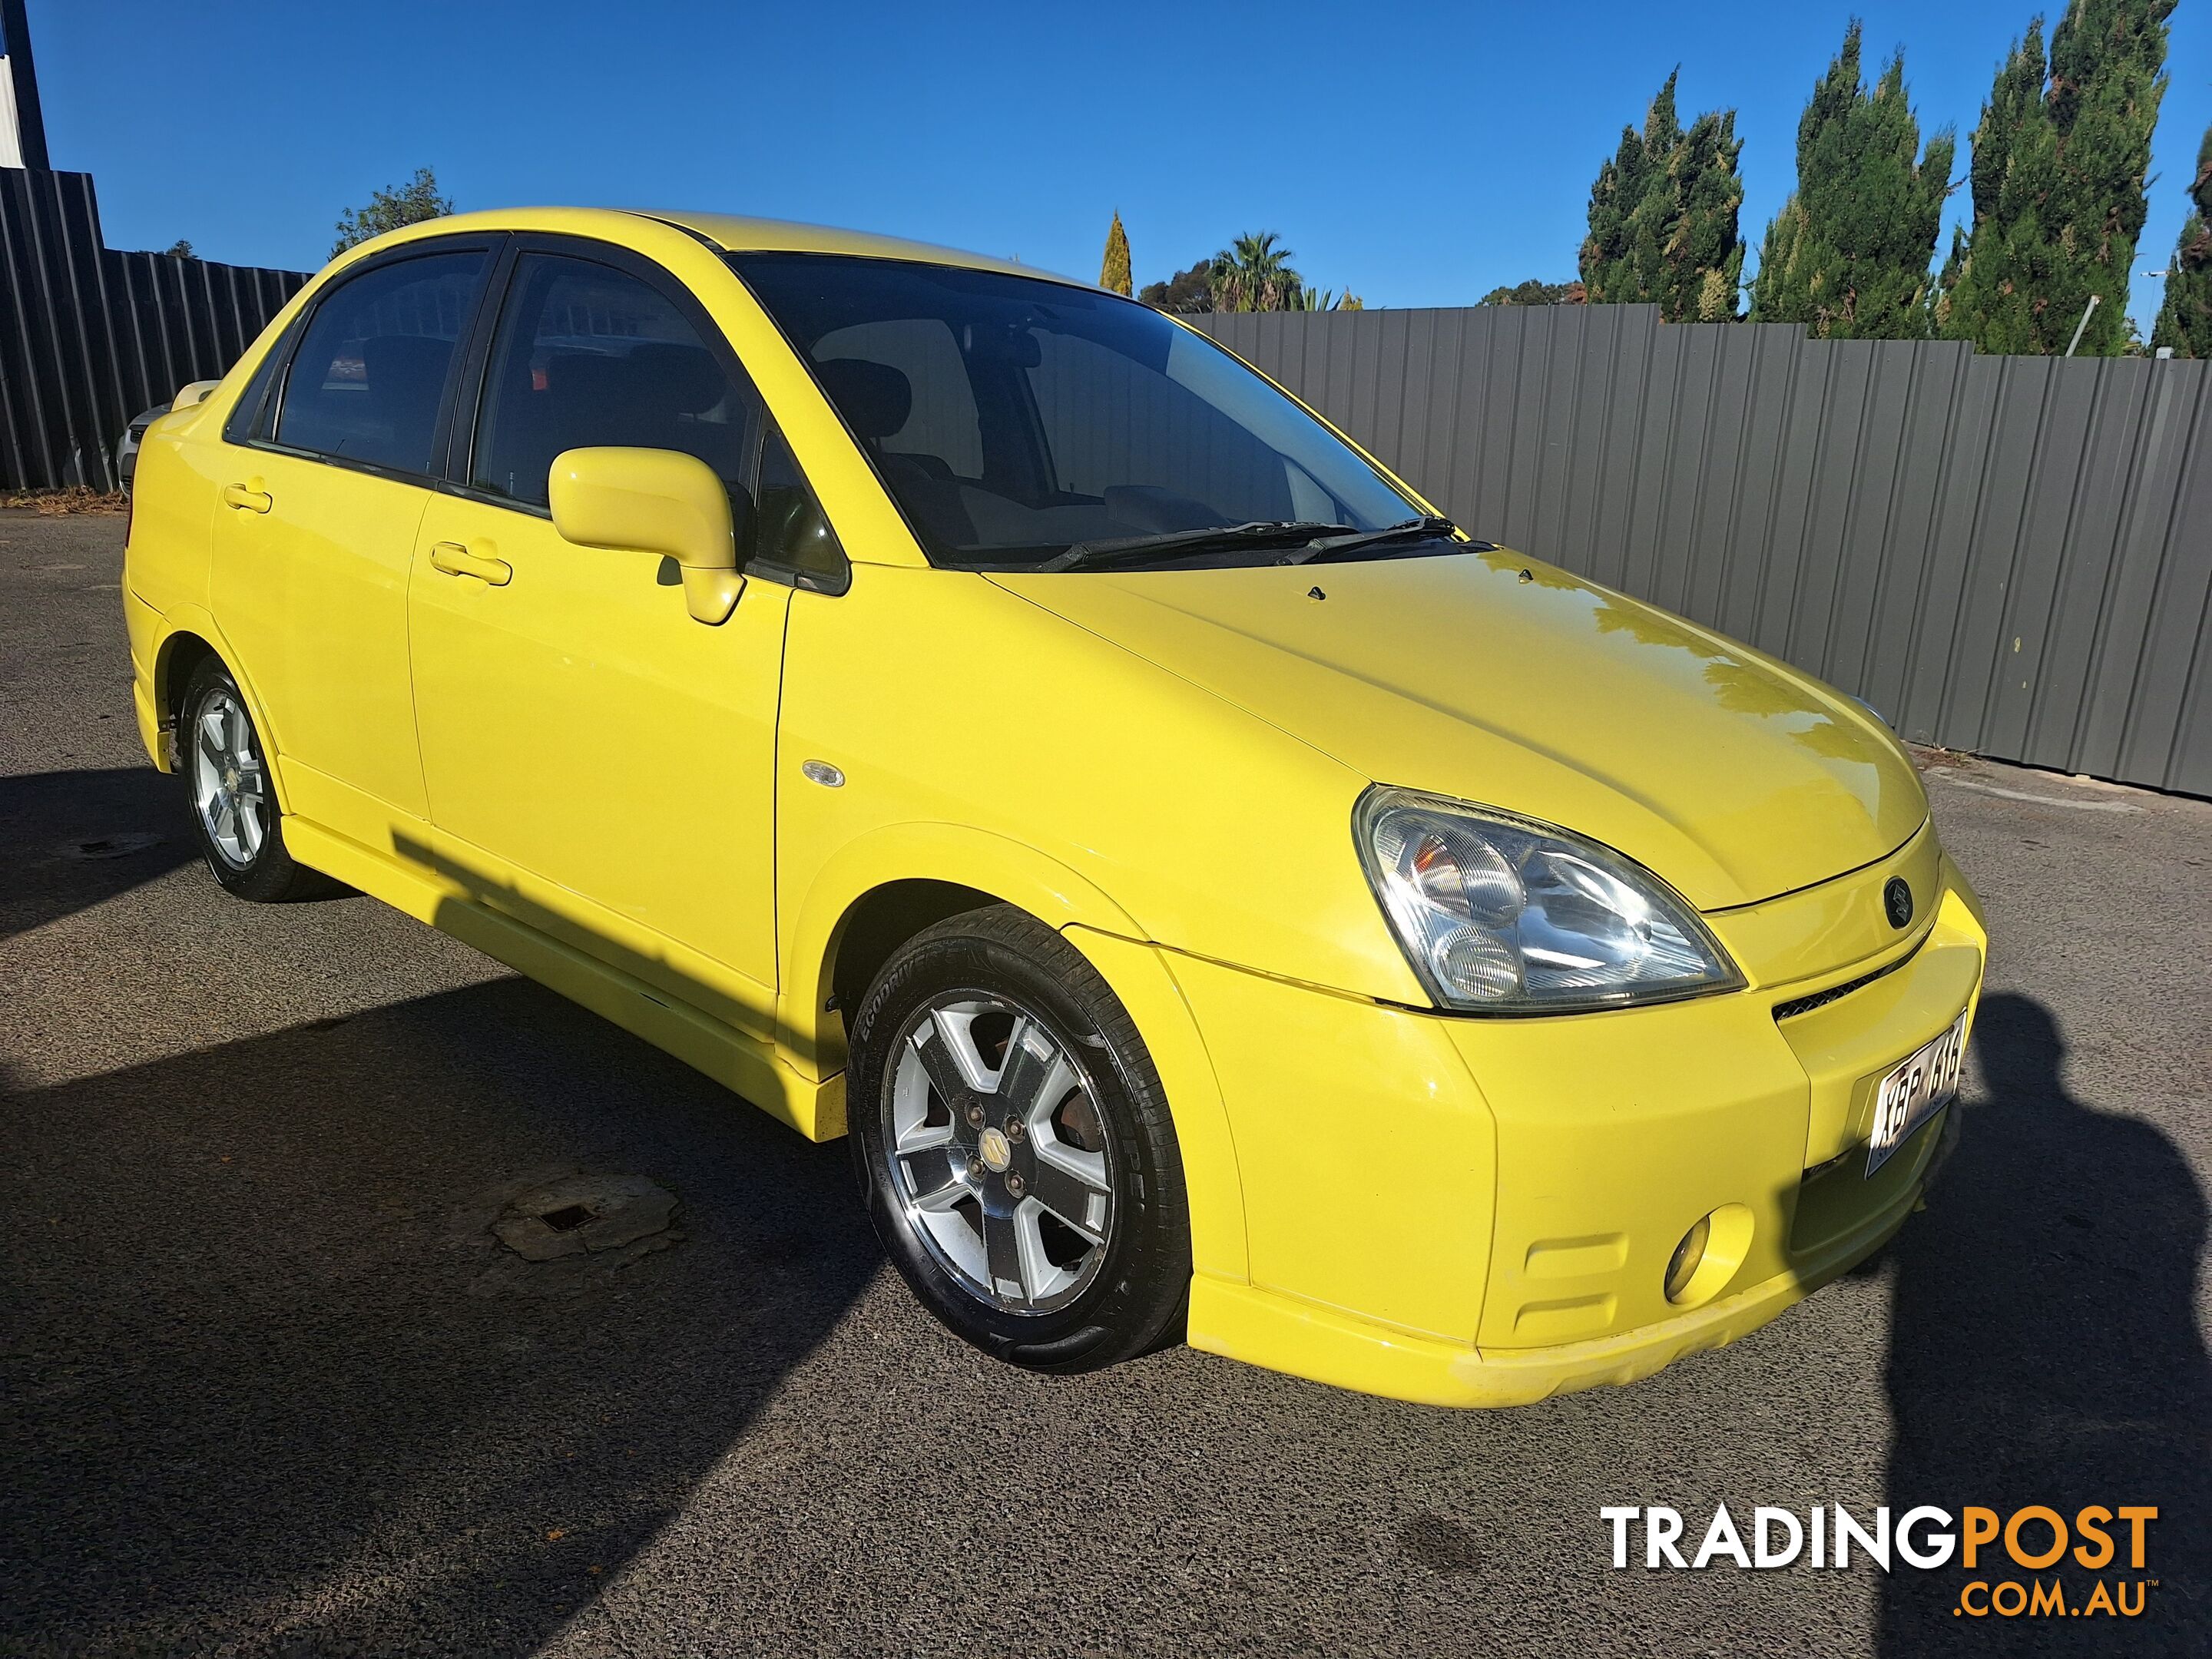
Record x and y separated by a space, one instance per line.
874 399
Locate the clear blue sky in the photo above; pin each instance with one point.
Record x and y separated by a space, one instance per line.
1421 155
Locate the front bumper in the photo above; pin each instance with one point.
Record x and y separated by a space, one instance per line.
1481 1211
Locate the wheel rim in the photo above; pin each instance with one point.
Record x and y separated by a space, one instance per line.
229 785
998 1152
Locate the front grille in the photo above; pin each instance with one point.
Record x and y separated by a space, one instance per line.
1806 1005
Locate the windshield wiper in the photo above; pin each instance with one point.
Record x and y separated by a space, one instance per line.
1329 547
1129 549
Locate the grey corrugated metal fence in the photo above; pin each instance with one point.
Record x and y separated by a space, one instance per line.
2006 555
90 335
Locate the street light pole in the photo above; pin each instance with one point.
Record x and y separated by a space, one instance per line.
2083 323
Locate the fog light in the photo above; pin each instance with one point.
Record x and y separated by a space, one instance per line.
1689 1256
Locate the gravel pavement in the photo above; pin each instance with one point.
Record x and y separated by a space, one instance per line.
272 1387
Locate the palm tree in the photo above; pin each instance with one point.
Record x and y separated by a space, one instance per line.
1254 274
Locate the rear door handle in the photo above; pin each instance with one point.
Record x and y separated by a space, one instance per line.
248 497
457 561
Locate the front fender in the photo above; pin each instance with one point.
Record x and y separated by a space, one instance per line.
1005 869
1133 967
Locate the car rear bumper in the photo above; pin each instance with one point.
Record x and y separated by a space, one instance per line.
143 625
1473 1212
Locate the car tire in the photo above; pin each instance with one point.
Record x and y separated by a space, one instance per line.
1014 1146
231 794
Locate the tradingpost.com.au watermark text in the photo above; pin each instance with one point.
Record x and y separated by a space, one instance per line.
2033 1561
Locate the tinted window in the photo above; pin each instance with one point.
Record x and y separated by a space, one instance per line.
795 537
1011 417
254 412
371 368
941 423
588 355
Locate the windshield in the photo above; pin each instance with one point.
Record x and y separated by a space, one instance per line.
1014 420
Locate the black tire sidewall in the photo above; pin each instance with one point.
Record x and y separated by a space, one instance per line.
1136 1301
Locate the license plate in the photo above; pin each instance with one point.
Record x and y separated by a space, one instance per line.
1915 1087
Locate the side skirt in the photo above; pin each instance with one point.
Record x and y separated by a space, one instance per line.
743 1065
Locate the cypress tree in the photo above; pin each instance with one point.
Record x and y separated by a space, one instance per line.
2184 321
2059 161
2015 100
1663 217
1114 270
1848 255
1706 253
1627 198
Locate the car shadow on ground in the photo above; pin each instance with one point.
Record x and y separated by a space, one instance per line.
76 838
273 1348
2044 1349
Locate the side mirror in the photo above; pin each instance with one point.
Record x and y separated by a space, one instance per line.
653 501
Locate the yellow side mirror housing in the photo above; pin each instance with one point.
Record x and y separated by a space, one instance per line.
653 500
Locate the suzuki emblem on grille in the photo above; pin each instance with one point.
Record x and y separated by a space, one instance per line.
1896 900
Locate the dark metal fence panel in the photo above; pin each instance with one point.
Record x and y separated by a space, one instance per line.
90 335
2007 555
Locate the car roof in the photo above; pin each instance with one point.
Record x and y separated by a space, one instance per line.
734 233
729 232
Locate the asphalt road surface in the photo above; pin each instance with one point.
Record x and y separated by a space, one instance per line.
271 1388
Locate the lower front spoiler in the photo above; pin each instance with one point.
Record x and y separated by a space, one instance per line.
1263 1328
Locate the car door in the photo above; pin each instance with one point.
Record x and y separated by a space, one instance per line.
599 765
330 474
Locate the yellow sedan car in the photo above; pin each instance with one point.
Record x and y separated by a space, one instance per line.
951 703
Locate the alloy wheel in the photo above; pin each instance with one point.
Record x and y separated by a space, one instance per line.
998 1151
229 784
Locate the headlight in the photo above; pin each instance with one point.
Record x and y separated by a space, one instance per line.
1501 915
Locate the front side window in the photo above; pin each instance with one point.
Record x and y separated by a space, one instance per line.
367 381
586 355
794 542
1016 421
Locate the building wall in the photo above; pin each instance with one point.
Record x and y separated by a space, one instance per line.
11 137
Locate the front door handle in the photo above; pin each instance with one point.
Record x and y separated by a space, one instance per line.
457 561
247 498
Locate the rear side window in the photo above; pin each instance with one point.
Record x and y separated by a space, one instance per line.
367 381
588 355
250 417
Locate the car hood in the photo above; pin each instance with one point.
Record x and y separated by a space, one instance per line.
1494 679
